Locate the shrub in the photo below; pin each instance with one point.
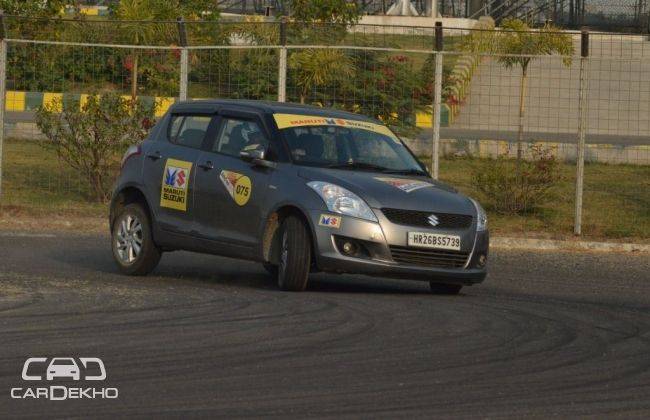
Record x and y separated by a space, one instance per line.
508 192
91 136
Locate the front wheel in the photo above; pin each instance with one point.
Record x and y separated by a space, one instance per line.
133 248
272 269
295 255
445 289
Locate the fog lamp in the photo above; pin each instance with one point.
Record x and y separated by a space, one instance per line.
349 248
482 260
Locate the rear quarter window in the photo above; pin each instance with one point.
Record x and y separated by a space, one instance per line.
188 130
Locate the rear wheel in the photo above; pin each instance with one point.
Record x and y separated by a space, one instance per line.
132 242
445 289
295 255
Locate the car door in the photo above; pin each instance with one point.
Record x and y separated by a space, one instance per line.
231 193
169 168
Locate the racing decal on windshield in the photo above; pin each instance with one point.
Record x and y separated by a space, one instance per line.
329 221
406 185
294 120
238 186
175 183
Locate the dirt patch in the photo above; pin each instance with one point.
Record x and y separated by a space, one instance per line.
78 224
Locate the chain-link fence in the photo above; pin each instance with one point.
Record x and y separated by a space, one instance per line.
477 109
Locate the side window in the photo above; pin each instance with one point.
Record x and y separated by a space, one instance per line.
237 135
188 130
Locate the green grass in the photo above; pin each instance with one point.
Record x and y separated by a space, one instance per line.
616 199
35 183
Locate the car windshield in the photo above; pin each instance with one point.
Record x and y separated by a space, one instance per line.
371 147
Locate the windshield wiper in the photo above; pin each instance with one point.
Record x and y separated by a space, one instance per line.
357 165
418 172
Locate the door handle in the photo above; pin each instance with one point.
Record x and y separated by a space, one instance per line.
154 156
207 166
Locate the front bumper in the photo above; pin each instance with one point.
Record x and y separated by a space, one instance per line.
379 237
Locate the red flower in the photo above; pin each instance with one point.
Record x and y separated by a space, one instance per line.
147 123
128 63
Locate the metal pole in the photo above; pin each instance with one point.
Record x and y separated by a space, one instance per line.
437 101
3 88
182 37
282 68
184 72
582 129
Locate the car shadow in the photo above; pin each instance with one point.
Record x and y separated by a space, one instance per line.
208 269
347 283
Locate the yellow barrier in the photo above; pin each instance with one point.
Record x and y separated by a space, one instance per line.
53 101
162 105
15 101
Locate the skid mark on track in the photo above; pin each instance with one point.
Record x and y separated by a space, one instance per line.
538 339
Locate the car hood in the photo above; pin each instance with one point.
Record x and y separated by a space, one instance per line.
381 190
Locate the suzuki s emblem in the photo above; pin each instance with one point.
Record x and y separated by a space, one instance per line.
433 220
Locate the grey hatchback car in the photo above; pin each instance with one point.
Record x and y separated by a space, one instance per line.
299 189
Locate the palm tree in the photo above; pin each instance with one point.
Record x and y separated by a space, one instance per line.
515 44
139 32
518 45
317 68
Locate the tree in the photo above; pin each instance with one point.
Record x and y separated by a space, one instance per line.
517 46
143 33
317 68
325 11
33 8
91 136
386 87
136 11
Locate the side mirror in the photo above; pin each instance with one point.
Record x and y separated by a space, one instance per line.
252 155
257 157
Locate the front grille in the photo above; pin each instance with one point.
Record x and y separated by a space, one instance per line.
419 218
429 257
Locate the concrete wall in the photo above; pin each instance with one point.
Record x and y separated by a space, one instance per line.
417 21
564 152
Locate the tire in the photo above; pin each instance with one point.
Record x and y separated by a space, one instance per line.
272 269
445 289
132 230
295 255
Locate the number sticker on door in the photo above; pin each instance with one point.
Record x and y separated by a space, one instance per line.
238 186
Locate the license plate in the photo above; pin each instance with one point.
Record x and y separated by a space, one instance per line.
434 240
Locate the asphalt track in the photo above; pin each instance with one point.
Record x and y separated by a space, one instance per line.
548 334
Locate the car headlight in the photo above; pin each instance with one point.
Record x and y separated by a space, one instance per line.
482 222
339 200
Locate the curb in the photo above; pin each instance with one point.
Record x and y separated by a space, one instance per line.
19 101
556 245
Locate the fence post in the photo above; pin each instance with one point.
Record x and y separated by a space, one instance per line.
437 101
582 129
3 88
182 38
282 68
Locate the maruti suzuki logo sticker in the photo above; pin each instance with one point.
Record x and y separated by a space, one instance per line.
433 220
175 177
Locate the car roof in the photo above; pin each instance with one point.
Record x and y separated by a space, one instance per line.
268 107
